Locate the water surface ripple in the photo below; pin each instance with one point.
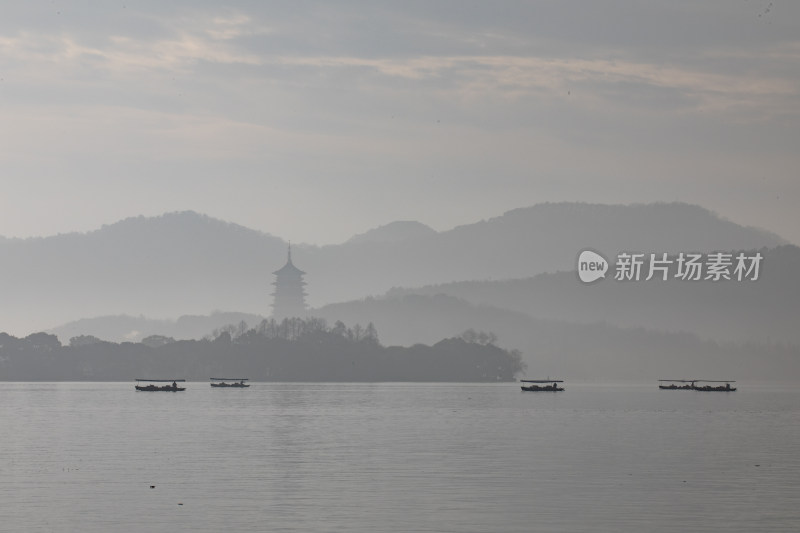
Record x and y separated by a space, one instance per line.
398 457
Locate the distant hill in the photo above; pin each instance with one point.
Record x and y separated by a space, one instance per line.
394 232
766 310
519 244
164 266
187 263
593 351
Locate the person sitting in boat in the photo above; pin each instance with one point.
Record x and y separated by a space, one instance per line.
174 385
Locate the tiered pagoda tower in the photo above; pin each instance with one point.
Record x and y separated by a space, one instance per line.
289 296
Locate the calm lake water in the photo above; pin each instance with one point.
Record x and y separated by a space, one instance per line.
398 457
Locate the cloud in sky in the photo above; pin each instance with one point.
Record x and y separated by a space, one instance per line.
317 120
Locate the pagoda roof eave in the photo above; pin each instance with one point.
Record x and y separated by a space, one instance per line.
289 268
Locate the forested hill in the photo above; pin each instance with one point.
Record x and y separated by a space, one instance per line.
295 350
766 310
187 263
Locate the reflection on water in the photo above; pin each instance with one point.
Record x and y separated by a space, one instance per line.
397 457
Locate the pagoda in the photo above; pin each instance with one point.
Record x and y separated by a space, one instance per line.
289 296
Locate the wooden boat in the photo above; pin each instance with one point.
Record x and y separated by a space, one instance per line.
172 385
234 382
692 384
534 385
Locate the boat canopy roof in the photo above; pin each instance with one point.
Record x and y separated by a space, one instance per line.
228 379
542 380
699 380
160 380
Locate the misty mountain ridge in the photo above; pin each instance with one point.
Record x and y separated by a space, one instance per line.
610 330
393 232
186 263
766 310
135 226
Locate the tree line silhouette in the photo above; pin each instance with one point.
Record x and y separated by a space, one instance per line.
294 349
297 329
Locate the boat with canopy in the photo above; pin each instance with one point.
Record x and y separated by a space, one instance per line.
171 385
692 384
542 385
234 382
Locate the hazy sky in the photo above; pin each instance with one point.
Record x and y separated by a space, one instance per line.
317 120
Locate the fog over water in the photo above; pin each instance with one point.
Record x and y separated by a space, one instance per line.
438 168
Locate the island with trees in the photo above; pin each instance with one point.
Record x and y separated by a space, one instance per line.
293 349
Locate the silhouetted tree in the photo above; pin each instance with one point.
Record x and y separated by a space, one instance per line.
358 332
478 337
154 341
470 335
43 342
339 329
371 333
84 340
